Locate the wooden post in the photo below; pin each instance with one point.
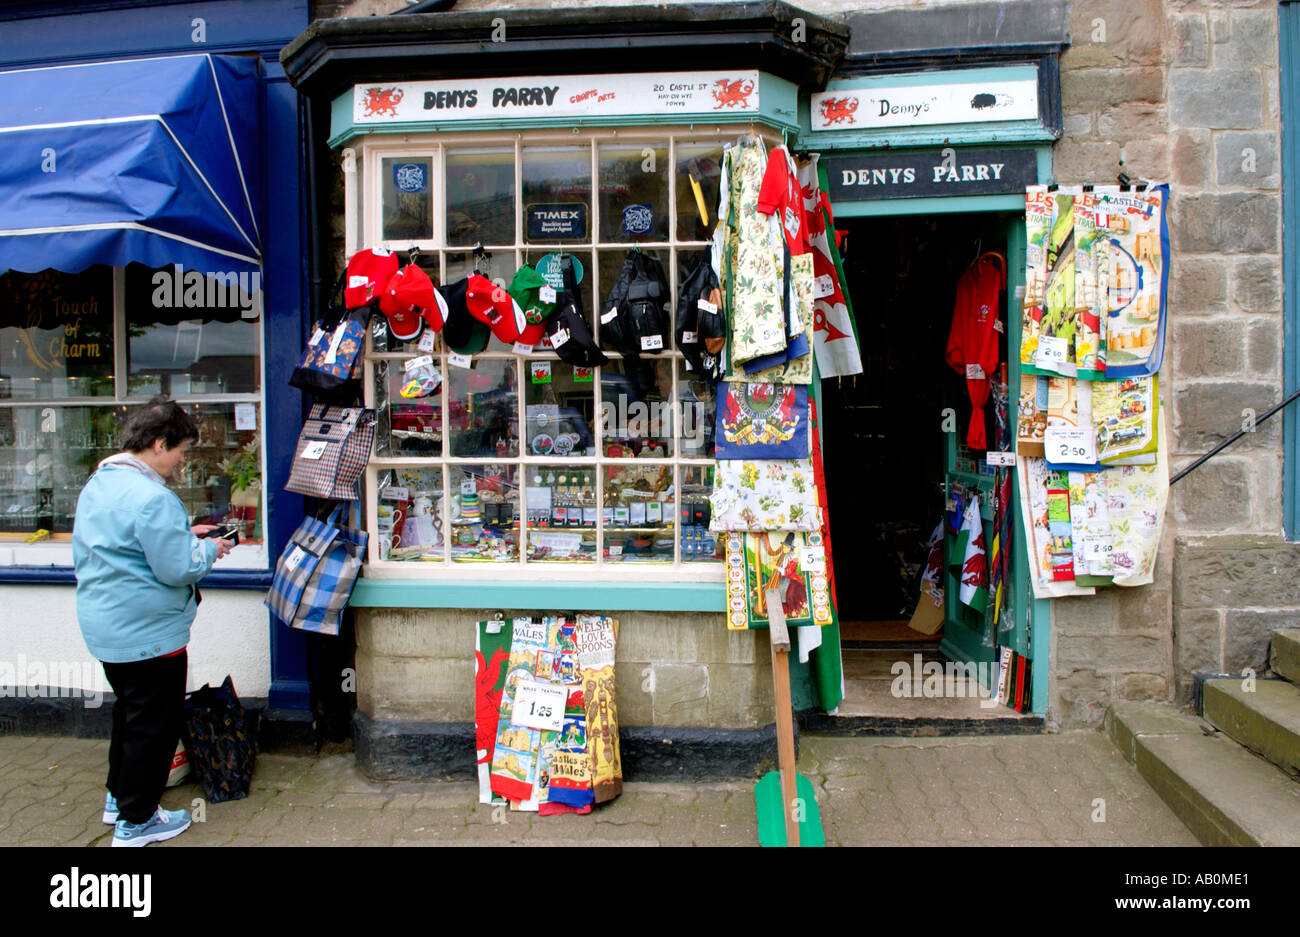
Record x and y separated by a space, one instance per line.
780 640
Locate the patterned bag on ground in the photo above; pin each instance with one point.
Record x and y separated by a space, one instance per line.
316 573
332 452
220 750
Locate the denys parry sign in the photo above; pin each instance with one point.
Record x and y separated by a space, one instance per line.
931 172
557 96
923 100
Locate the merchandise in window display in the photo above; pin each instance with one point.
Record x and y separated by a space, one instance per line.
410 302
462 333
761 421
771 495
699 319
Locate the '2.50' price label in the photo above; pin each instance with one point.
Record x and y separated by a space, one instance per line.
539 705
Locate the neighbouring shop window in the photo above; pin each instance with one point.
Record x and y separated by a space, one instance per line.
78 350
525 459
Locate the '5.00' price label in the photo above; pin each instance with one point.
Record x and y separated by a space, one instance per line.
539 705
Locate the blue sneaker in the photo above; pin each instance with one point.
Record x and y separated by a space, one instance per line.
164 824
110 809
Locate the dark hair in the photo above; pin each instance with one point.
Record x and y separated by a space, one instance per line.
160 418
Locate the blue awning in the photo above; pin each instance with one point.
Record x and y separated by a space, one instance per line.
146 160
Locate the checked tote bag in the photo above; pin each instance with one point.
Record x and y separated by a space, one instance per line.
333 449
316 573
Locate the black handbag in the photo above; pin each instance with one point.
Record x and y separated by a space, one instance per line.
699 326
220 751
636 318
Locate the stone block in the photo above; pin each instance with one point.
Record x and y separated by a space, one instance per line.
1257 284
1077 125
649 636
417 688
1239 571
1116 32
740 696
417 632
1081 698
1216 496
1146 156
681 695
1263 358
635 703
1144 686
1189 40
1247 159
717 645
1244 38
1218 99
1266 491
1198 285
1110 653
1146 609
1191 158
1246 636
1208 347
1198 637
1077 162
1232 223
1093 90
1207 413
1084 614
1139 120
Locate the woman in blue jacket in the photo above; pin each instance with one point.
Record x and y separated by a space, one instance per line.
138 562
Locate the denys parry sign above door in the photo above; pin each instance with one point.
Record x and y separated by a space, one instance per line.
930 172
557 96
926 99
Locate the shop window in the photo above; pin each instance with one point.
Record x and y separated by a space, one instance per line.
525 461
78 351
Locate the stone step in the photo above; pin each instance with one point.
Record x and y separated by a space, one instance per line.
1264 716
1285 660
1226 795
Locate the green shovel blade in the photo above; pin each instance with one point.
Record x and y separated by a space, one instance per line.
771 818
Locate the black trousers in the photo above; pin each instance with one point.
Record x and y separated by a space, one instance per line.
147 717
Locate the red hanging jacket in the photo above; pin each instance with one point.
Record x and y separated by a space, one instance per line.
972 340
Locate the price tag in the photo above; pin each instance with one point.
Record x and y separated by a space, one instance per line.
997 326
1072 445
419 362
293 559
539 705
335 342
357 280
469 487
823 286
426 341
1020 291
616 549
690 338
460 361
708 306
245 416
546 294
1000 458
521 349
652 342
317 337
812 559
1097 548
314 450
559 338
1051 351
395 493
974 372
609 317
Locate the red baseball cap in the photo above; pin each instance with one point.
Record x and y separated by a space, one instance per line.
408 298
368 273
490 303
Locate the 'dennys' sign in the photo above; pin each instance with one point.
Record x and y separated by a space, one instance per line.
930 172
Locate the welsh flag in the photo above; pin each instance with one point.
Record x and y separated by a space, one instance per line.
835 337
974 568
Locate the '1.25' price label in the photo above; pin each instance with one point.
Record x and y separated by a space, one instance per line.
539 705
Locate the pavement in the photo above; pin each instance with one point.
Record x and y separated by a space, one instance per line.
1059 789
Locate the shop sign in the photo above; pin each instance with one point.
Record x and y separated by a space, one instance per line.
874 103
560 221
693 93
931 172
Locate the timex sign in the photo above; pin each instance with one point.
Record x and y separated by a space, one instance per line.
930 172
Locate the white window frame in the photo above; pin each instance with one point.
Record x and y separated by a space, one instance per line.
370 153
245 556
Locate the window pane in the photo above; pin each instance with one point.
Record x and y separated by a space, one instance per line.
560 404
411 526
408 205
696 412
634 192
191 334
561 513
484 513
484 409
699 544
221 478
481 197
410 423
636 408
557 194
700 163
640 513
56 334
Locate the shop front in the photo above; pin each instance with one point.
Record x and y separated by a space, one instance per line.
507 481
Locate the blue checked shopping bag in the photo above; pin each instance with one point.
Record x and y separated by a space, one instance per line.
316 573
